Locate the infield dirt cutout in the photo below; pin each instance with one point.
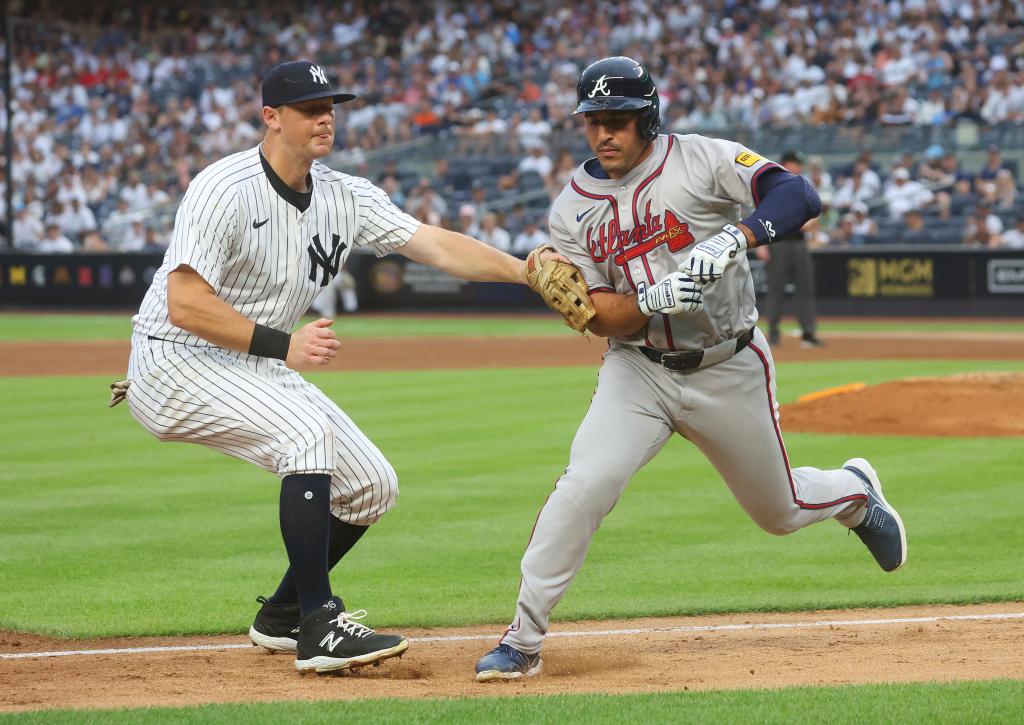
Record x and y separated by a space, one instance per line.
868 647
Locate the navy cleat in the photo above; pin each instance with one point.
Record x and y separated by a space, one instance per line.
882 530
505 662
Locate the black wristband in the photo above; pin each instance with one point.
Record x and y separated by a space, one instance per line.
268 342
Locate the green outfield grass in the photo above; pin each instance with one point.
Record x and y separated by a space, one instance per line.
29 327
992 701
105 531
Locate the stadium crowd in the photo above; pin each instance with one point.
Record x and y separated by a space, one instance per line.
117 105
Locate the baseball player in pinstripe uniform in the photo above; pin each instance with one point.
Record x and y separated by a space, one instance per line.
256 237
654 224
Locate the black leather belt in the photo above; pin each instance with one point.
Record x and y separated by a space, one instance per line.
690 360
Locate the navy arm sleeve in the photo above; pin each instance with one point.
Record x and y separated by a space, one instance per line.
787 203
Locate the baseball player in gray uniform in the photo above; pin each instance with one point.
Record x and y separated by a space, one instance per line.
257 236
654 223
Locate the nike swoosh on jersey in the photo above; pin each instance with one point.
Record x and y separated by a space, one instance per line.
257 225
579 217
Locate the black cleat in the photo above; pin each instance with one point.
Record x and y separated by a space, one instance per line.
276 627
332 639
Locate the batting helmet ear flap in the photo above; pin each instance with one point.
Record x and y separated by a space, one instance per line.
648 123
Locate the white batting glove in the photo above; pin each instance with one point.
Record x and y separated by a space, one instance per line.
676 293
708 259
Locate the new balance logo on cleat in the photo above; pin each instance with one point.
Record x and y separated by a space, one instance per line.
332 639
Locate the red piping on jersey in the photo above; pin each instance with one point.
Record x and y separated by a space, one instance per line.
615 212
782 446
514 627
592 290
757 175
636 222
598 197
653 175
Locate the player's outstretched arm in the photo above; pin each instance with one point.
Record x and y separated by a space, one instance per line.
462 256
193 306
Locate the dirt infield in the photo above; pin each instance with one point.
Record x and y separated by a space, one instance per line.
925 643
447 353
668 654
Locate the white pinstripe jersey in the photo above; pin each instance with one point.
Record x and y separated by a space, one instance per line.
242 229
621 232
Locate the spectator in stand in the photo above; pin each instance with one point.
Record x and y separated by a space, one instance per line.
863 225
914 229
537 161
563 169
424 199
135 192
861 185
983 228
1014 238
467 221
426 119
393 189
843 234
28 230
53 242
903 194
993 163
529 238
76 219
153 241
134 238
533 131
93 242
1000 191
492 234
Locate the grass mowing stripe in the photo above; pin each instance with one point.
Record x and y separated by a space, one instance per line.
984 701
198 531
29 327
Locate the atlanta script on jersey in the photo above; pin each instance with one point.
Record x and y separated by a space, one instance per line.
637 229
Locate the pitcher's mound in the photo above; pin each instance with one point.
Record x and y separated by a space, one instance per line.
974 404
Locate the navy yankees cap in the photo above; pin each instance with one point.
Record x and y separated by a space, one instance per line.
297 81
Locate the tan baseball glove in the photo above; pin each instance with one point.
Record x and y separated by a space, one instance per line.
562 288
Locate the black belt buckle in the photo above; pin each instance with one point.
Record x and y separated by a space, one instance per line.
682 361
675 361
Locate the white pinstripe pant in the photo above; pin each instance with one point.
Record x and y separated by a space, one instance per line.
259 410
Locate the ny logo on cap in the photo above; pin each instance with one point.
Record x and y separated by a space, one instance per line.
318 74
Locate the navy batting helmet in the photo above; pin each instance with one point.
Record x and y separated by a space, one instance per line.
620 84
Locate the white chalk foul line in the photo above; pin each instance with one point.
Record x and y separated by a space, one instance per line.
590 633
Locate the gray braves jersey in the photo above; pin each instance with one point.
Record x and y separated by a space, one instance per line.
266 250
261 254
638 229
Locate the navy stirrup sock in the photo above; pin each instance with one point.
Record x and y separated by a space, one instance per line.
305 528
343 537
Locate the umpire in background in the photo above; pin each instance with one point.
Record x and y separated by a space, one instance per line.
789 260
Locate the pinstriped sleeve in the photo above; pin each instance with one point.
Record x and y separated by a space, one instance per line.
205 228
383 226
